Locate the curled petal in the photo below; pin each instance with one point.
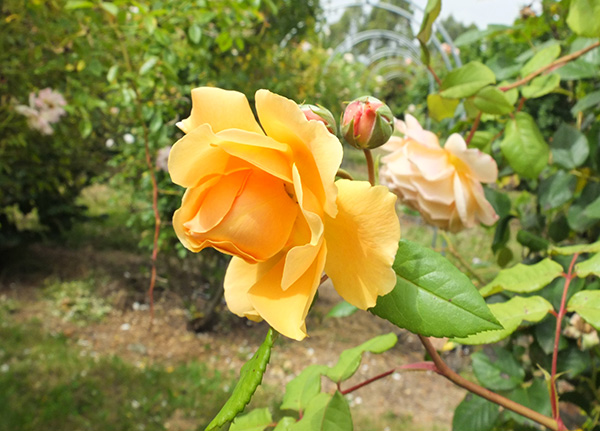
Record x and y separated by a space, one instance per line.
222 109
362 241
240 276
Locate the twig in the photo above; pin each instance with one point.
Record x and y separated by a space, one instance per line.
474 128
449 374
554 65
437 78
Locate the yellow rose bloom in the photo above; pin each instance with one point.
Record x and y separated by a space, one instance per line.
442 183
266 195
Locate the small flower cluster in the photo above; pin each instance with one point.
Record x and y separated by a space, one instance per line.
45 108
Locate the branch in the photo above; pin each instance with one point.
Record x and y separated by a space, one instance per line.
449 374
554 65
437 78
474 128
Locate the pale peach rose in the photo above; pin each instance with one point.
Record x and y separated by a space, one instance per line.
442 183
266 195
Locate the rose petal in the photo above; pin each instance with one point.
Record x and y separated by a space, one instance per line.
362 241
221 109
239 278
316 152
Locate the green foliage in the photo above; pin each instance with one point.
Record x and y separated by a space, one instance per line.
432 297
524 146
467 80
587 305
78 300
250 377
523 278
475 414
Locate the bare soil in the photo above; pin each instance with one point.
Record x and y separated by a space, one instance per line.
424 399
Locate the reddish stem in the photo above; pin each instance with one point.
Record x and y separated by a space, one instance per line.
437 78
366 382
474 128
561 314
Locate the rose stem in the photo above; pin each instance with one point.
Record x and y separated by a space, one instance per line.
370 166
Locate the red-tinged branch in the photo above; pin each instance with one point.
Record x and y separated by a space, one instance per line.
559 318
437 78
552 66
474 128
370 166
449 374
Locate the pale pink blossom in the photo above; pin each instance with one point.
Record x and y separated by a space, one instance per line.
45 108
162 158
442 183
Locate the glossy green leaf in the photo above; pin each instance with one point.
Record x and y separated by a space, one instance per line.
467 80
440 108
587 304
342 309
492 101
570 147
583 17
250 377
589 267
524 146
148 65
556 190
532 241
511 315
590 100
585 211
256 420
579 248
350 359
303 388
109 7
501 373
541 85
542 58
578 69
325 412
499 201
432 297
195 33
79 4
482 140
475 414
523 278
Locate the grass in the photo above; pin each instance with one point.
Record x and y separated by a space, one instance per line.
48 383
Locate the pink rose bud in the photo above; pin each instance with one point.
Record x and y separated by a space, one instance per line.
367 123
318 113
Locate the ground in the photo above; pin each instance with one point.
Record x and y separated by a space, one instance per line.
418 400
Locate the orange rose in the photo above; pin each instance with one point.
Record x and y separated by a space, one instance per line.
266 195
442 183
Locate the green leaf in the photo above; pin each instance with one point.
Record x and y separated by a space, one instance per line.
541 85
195 33
501 373
511 314
534 396
579 248
326 412
542 58
148 65
109 7
524 146
583 17
475 414
250 377
432 10
587 304
589 267
492 101
482 140
499 201
523 278
303 388
570 147
342 309
112 73
578 69
256 420
156 122
350 359
285 423
467 80
474 35
556 190
532 241
589 101
79 4
432 297
585 211
440 108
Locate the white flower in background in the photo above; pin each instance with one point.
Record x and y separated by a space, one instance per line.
110 143
411 108
128 138
162 158
44 109
349 57
305 46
